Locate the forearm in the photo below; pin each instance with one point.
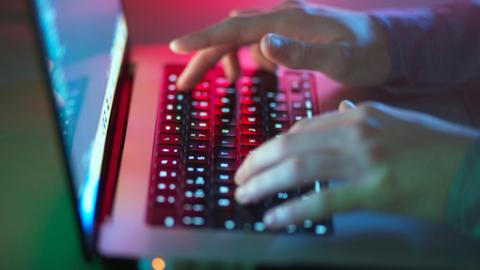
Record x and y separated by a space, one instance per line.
435 47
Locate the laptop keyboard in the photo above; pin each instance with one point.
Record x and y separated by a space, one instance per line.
203 136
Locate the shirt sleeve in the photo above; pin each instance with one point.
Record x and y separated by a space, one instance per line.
463 211
433 48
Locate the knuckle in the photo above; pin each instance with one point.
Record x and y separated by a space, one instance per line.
296 12
342 54
297 165
235 12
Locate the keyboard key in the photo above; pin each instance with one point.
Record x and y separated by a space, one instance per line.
196 168
246 216
200 105
168 162
224 101
224 91
197 145
250 100
250 109
224 203
224 110
164 216
251 140
166 187
223 219
225 120
205 86
173 139
226 130
249 91
224 141
173 107
165 201
196 180
172 118
167 174
275 96
222 177
251 120
222 81
198 135
279 116
278 106
197 114
223 190
251 130
168 151
225 165
225 153
201 95
299 115
199 124
171 128
296 105
192 156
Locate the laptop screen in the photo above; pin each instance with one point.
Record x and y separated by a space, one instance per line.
84 43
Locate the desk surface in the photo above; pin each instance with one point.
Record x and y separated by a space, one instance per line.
37 222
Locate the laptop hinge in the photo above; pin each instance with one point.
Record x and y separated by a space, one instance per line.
115 142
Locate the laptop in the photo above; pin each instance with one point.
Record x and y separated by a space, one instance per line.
151 169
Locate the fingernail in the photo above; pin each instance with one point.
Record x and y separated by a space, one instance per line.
276 218
349 104
242 195
268 219
281 216
275 41
174 45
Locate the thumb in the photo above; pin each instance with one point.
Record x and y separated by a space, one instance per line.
330 58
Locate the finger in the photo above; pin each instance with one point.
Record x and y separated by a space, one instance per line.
244 12
330 58
326 120
261 61
346 105
199 65
237 31
290 144
296 171
289 4
231 66
319 206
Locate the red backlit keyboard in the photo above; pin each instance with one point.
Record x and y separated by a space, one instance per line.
203 136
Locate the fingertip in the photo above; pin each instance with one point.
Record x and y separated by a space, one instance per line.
346 105
173 45
272 41
183 84
231 67
238 179
276 218
271 46
180 46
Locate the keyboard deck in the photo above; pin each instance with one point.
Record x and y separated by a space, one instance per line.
203 136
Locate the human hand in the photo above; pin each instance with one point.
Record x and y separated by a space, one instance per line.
347 46
391 160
